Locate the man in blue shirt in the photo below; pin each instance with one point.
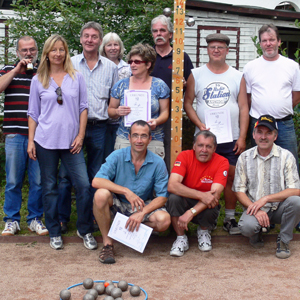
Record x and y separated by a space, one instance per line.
126 183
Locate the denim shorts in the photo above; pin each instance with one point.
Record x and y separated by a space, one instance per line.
125 208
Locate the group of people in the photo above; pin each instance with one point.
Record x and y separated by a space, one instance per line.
77 102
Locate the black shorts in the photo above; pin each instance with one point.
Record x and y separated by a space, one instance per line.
226 150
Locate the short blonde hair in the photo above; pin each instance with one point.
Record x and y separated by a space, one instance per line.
44 67
111 36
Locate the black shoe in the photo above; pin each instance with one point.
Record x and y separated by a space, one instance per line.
63 227
297 227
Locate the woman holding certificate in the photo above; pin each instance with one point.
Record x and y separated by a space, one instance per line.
141 97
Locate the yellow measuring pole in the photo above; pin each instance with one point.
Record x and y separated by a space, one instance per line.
177 74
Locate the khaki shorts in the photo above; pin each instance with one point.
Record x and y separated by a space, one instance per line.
156 147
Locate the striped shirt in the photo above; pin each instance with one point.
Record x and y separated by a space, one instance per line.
16 102
258 176
99 83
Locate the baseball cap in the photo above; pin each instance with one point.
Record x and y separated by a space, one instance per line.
266 120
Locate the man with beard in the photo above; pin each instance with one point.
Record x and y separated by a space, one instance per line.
273 87
15 82
162 32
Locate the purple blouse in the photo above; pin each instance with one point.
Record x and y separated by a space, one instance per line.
57 125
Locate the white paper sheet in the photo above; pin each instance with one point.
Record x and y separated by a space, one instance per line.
219 122
136 240
140 103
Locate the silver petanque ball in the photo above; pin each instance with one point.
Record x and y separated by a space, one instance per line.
190 22
109 298
88 283
109 289
93 292
88 296
65 294
135 291
100 288
119 299
109 281
116 292
167 11
123 285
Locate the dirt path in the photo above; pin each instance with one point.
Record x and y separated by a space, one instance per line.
232 270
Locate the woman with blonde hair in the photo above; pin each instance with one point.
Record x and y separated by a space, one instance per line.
112 47
141 59
57 117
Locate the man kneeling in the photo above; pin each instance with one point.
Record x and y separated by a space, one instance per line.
126 183
267 184
196 183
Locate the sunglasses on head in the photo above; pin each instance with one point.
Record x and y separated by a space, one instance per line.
136 61
59 96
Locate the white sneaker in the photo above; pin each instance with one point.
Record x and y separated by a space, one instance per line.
204 240
56 243
37 226
179 246
11 228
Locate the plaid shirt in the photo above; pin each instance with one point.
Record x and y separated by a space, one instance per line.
258 176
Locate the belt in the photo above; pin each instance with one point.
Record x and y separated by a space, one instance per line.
289 117
95 122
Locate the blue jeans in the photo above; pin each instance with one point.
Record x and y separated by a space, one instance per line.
286 137
76 168
110 138
17 161
64 195
94 142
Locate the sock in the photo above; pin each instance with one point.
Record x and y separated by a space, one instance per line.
203 230
229 213
182 236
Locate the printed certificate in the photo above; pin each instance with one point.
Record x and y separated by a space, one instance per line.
136 240
219 122
140 103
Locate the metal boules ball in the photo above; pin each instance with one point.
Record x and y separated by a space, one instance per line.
109 282
109 289
100 288
119 299
167 11
135 291
116 292
109 298
190 22
123 285
65 294
88 283
93 292
88 296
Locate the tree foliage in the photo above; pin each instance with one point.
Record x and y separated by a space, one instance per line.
130 19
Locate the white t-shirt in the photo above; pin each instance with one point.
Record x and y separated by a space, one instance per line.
270 84
218 91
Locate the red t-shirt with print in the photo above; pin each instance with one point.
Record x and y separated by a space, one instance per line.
200 176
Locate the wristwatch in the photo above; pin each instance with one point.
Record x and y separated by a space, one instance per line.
193 210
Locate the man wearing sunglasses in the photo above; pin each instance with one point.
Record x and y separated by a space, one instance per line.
15 82
220 88
162 33
126 184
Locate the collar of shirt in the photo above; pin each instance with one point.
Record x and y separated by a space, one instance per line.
274 152
148 158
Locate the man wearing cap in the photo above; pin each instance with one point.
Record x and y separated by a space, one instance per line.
221 89
267 185
273 87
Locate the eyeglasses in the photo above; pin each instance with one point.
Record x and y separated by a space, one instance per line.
219 48
136 61
31 50
59 96
143 136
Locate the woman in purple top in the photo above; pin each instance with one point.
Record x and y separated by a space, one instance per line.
57 117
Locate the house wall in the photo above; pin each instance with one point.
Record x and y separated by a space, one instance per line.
267 4
249 27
